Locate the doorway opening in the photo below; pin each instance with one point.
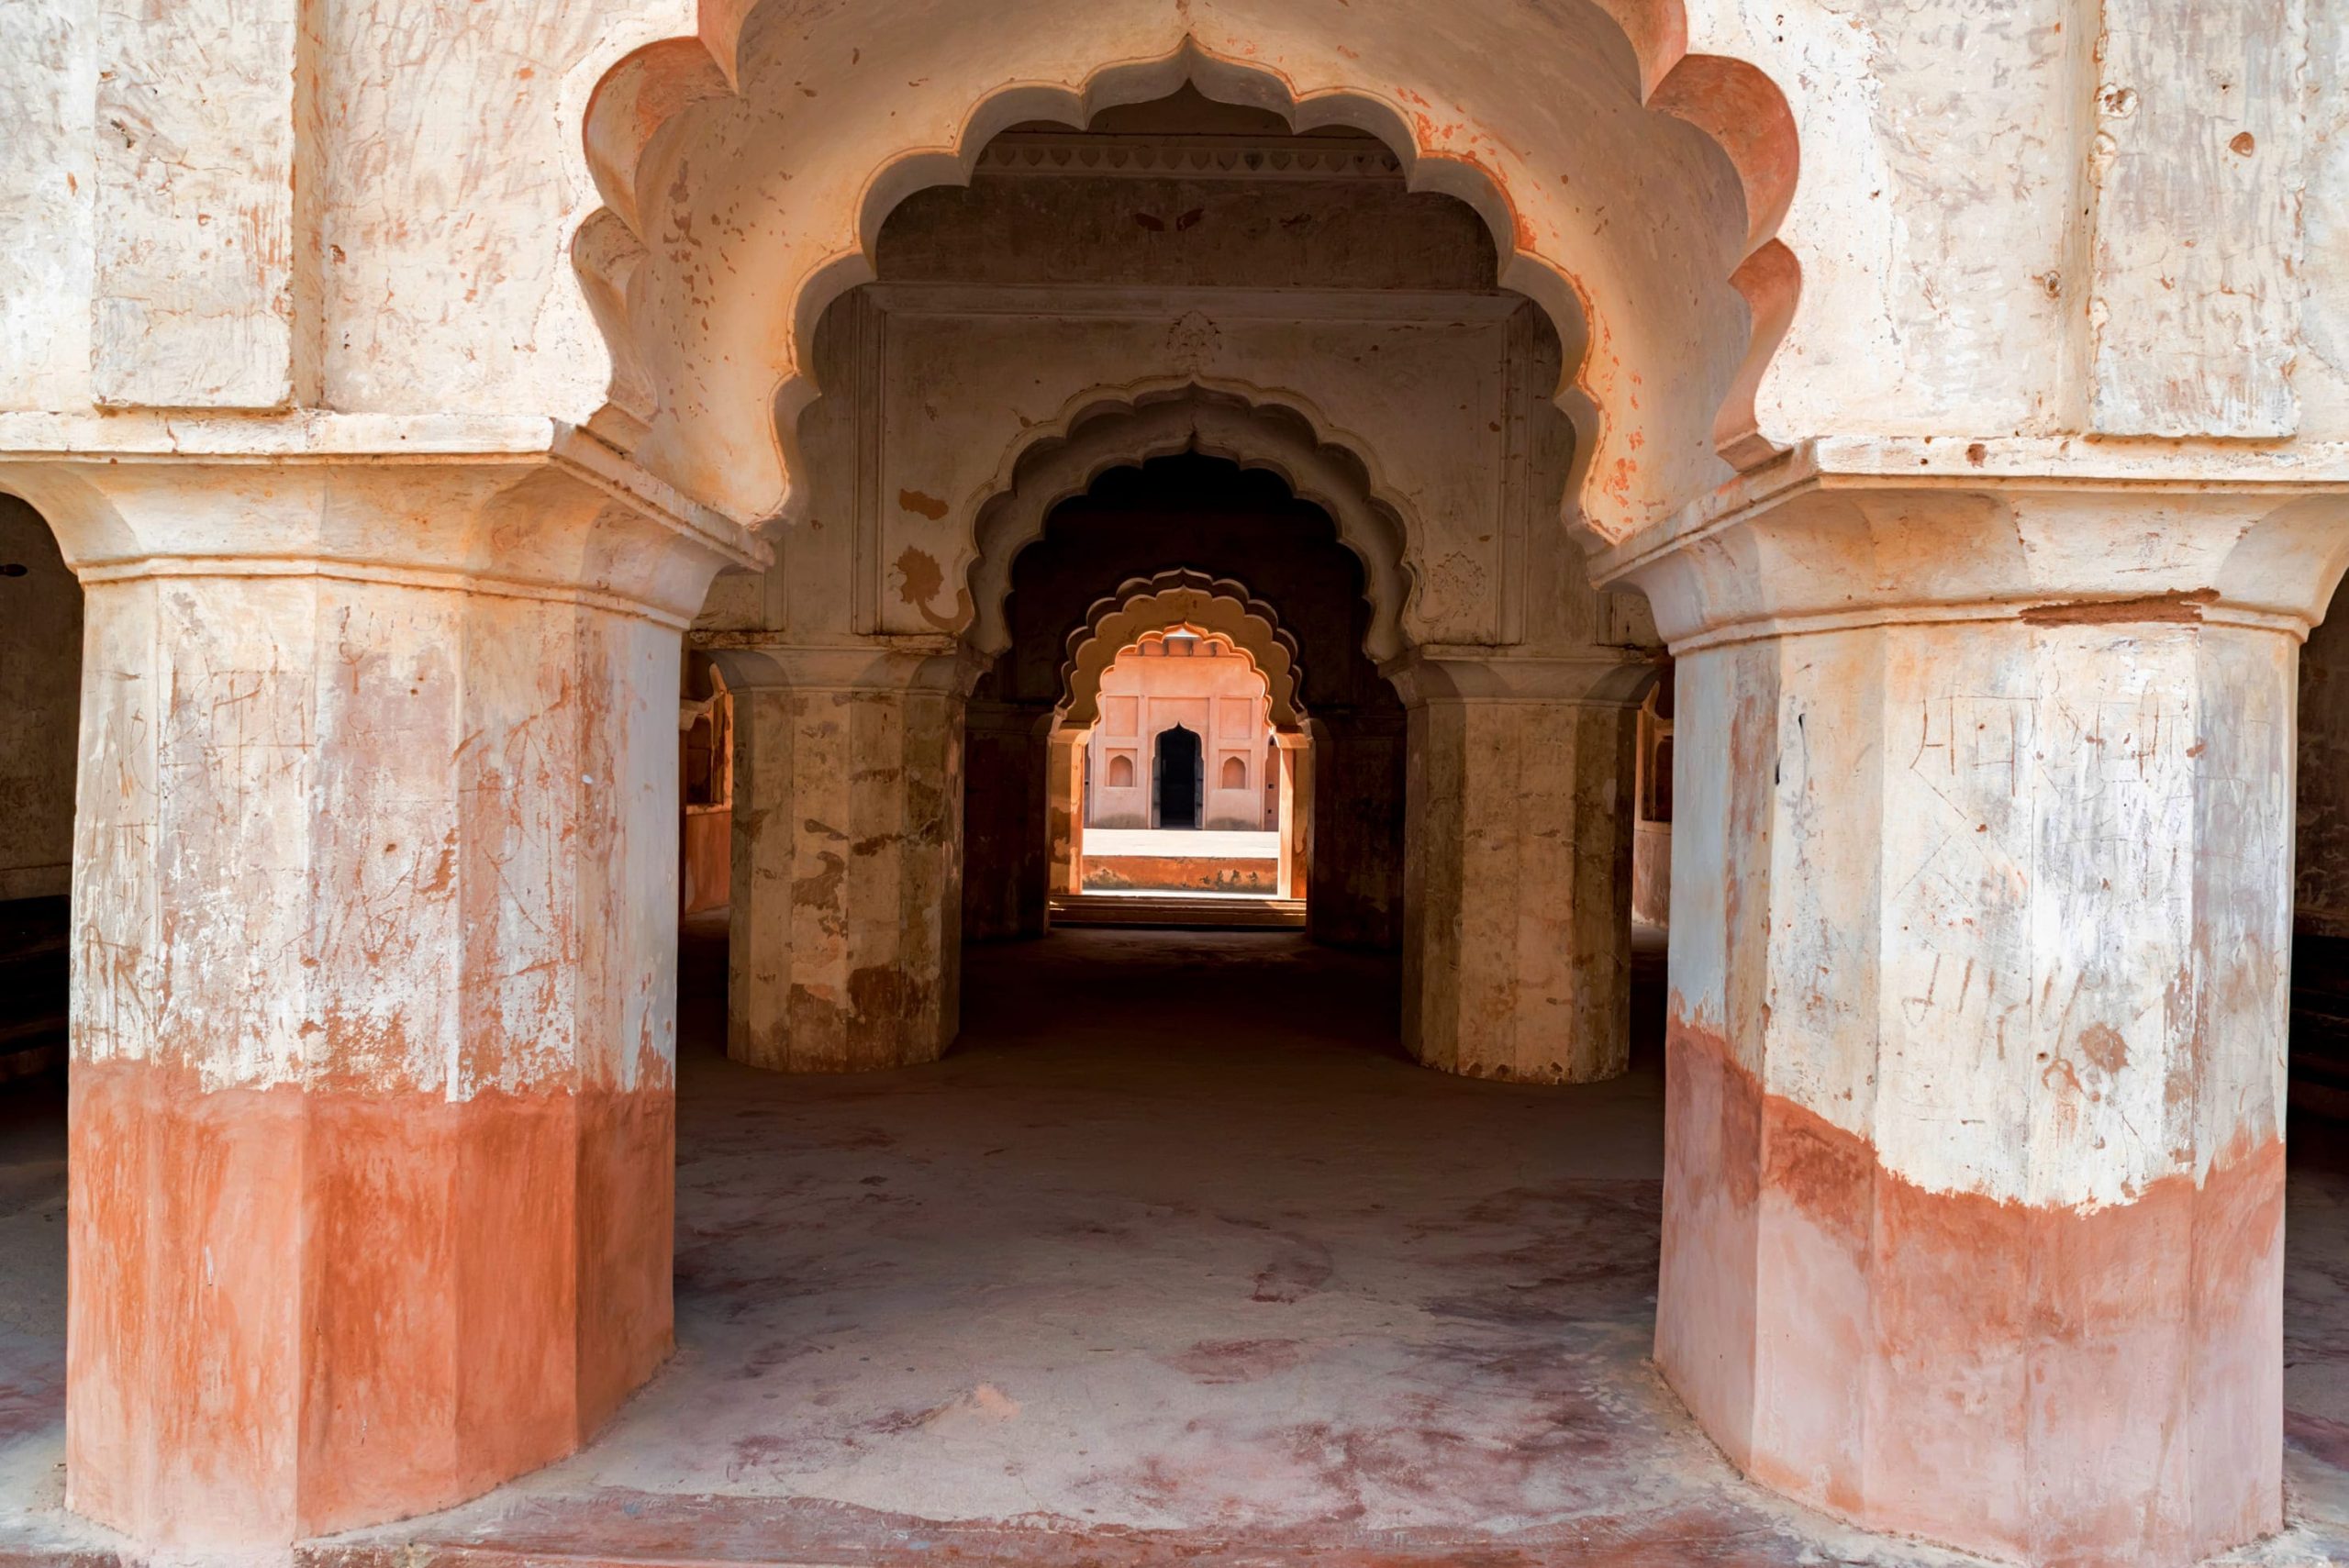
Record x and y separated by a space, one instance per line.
1179 771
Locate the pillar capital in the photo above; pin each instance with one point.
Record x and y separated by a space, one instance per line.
1841 534
574 522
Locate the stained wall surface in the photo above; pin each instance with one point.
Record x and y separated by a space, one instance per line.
2055 436
446 192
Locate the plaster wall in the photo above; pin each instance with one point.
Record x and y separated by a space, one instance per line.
40 692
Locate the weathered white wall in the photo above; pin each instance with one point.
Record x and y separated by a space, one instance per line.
2039 216
2320 374
40 691
48 81
1998 234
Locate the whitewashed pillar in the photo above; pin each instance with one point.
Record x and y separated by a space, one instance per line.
374 1006
1981 913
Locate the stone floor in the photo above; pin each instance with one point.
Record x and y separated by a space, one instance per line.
1173 1259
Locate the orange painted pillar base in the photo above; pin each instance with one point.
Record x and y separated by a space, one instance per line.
372 1142
300 1310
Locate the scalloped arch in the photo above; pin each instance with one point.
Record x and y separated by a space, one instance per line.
1143 605
746 172
1124 426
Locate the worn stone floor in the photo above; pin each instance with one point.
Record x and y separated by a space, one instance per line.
1173 1259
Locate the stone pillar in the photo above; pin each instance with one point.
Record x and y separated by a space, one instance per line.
1296 805
1517 909
1006 852
1980 914
374 976
1064 807
1357 842
846 934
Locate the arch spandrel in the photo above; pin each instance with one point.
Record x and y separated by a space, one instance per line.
1625 180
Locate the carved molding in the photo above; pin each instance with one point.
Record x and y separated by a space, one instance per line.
1190 157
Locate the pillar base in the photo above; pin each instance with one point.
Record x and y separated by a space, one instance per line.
2033 1382
297 1311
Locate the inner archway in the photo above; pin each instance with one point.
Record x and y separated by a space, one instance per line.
1306 617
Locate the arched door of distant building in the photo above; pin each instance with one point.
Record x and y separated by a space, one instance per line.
1179 781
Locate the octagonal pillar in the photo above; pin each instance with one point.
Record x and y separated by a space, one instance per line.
1007 809
1517 864
1981 915
374 976
846 950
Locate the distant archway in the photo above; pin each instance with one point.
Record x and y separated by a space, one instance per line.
1125 429
1218 606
